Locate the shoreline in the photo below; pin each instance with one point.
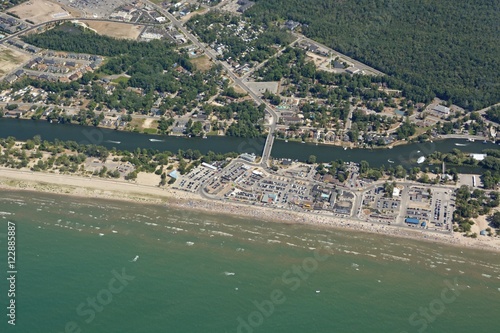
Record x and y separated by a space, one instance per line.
349 145
339 144
96 188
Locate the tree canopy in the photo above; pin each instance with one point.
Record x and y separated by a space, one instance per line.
447 48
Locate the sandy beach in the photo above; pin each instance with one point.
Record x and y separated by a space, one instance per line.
122 190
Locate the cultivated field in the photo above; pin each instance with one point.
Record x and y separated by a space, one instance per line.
10 59
116 30
39 11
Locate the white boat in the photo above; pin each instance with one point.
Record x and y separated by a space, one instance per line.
345 148
418 151
117 142
286 140
461 144
421 160
135 259
470 140
390 161
156 140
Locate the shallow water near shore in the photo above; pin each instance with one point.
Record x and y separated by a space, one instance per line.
193 272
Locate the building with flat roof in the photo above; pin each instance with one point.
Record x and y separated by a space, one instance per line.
248 157
412 220
352 70
210 166
441 109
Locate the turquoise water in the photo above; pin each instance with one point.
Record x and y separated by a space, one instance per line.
196 272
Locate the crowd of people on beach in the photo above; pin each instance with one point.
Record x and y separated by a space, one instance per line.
185 200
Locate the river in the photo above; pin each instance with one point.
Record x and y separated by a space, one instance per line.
405 154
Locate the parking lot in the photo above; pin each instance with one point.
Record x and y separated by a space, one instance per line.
442 208
195 179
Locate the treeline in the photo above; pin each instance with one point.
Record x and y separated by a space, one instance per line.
446 48
153 67
470 204
74 38
493 114
68 156
249 118
308 79
490 164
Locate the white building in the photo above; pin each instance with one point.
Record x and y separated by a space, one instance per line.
441 109
149 35
478 157
248 157
209 166
352 70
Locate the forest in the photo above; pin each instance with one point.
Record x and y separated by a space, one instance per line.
155 67
493 114
446 48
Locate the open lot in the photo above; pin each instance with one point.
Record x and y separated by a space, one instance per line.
39 11
260 87
11 59
115 29
202 63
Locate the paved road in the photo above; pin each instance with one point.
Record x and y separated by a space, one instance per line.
239 81
277 54
356 63
348 123
482 112
33 27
